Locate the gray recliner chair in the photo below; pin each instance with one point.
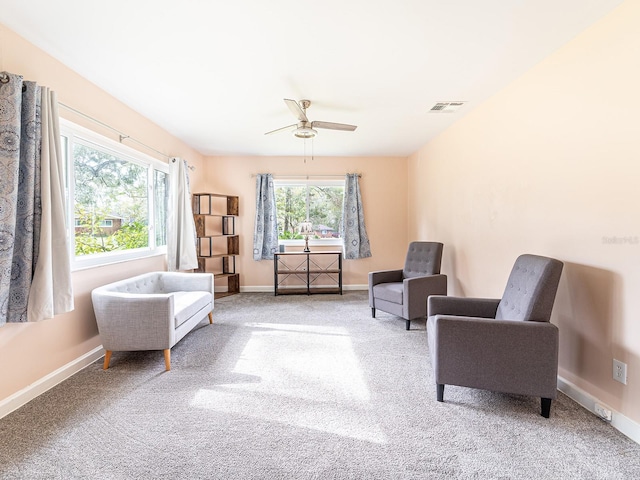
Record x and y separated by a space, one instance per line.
506 345
404 292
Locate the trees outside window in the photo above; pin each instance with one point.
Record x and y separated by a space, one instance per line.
318 201
108 186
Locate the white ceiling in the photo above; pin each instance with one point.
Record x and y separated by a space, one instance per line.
214 73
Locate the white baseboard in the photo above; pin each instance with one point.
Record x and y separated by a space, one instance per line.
269 288
49 381
618 421
257 288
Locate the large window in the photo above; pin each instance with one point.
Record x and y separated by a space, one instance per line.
318 201
117 199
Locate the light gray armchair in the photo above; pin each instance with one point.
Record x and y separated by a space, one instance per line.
506 345
404 292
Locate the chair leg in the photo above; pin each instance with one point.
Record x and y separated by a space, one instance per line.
408 324
107 359
440 392
167 359
373 313
545 404
210 318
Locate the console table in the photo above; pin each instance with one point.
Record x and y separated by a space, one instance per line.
308 268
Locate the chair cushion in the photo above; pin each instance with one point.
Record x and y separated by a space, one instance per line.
423 258
391 292
186 304
531 289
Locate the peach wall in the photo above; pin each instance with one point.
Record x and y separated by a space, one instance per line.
550 165
28 352
383 187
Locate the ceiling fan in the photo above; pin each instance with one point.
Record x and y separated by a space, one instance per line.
304 128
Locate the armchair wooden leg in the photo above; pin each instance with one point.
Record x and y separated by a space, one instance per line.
167 359
408 324
440 393
373 313
210 318
545 404
107 359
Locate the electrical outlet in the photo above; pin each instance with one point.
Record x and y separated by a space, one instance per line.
602 412
620 371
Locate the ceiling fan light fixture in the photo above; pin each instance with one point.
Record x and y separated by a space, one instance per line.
305 132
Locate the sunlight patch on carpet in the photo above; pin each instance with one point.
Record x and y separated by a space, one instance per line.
306 376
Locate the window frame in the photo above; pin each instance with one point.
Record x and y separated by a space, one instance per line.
73 132
337 181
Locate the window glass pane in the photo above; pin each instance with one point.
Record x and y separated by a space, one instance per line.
321 204
325 210
291 204
108 191
161 190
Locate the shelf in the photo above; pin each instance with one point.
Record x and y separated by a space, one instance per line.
311 291
208 247
223 275
204 203
307 267
218 236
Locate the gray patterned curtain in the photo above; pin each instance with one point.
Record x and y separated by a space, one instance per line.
354 233
35 274
265 233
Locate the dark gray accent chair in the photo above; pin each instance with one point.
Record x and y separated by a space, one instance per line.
505 345
404 292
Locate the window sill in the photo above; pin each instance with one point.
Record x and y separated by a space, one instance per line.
107 260
318 242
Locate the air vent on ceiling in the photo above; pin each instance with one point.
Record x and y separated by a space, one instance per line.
446 107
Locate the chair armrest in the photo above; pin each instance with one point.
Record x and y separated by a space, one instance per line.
133 321
430 285
500 355
418 289
384 276
462 306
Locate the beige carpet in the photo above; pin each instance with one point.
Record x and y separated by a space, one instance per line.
299 387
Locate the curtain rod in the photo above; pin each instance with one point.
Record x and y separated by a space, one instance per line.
190 167
253 175
123 136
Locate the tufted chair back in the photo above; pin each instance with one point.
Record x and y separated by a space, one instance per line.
531 289
423 258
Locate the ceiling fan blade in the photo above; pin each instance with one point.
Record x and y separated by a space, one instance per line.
296 110
281 129
333 126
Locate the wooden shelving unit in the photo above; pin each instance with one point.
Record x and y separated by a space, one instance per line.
218 244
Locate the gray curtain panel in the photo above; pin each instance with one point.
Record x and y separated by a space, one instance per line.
354 232
19 221
33 247
265 233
